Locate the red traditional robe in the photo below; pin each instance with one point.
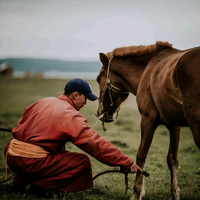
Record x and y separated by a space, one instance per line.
50 123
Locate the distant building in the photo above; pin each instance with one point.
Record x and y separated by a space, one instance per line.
6 70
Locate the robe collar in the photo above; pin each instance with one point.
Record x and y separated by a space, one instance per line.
65 98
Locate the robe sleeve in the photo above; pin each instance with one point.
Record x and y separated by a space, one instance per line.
92 143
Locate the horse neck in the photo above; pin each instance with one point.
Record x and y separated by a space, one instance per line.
129 71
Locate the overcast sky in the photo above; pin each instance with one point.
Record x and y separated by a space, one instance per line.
80 29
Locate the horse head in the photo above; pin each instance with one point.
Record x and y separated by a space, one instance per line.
112 90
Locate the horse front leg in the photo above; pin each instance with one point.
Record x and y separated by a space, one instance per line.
172 161
148 127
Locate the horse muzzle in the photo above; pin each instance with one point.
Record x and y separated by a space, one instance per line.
104 117
108 120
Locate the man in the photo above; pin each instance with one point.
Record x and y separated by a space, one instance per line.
37 152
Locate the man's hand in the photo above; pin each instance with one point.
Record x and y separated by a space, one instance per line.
134 168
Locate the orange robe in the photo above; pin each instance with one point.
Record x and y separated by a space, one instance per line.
50 123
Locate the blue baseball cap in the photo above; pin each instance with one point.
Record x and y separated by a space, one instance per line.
81 86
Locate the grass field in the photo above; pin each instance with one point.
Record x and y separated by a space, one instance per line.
17 94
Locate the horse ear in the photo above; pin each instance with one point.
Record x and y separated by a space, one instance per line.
104 59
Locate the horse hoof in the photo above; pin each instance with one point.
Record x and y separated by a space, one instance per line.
133 198
175 194
136 197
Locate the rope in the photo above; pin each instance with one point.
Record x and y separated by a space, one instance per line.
6 130
95 123
146 174
105 172
116 171
8 179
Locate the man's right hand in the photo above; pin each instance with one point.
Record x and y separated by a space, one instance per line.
134 168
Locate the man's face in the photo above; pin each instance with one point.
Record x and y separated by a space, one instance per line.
79 100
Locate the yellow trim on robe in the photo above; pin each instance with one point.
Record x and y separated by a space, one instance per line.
27 150
23 149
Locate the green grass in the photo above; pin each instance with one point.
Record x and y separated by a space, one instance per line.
17 94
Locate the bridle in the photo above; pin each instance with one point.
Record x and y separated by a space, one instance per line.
110 87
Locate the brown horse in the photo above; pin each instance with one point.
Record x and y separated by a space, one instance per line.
166 82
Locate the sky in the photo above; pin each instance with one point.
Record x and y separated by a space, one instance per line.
81 29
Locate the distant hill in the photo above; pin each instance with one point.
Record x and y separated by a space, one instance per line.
43 65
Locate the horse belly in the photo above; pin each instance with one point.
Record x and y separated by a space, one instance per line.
171 112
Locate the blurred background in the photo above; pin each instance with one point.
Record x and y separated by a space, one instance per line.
63 38
43 43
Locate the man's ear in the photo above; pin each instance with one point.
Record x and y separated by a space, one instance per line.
74 95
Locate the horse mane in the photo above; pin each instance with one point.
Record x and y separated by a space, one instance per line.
138 50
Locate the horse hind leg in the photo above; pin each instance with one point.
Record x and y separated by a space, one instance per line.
193 118
187 76
172 161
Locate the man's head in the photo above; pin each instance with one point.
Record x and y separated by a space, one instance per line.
79 88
